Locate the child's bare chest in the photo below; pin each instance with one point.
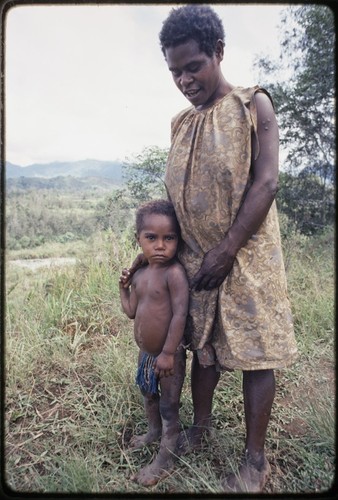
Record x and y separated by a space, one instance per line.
152 284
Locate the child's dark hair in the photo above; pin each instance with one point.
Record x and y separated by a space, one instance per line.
193 21
158 207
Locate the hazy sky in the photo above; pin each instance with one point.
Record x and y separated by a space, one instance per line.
90 81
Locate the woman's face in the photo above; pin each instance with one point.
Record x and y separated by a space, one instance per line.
197 75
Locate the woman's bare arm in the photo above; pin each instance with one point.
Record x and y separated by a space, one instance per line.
127 274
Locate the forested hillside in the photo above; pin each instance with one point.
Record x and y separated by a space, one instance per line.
83 168
60 210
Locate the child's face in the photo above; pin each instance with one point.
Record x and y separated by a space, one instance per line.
158 238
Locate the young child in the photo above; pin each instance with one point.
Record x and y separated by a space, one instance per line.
157 297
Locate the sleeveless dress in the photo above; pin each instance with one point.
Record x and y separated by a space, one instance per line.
247 320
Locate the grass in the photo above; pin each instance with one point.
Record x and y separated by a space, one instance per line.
49 250
71 403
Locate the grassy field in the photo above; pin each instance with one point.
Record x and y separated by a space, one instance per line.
71 403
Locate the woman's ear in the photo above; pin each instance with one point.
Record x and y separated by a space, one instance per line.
137 239
219 50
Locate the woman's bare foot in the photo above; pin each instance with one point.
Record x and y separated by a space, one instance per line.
248 480
190 440
151 474
144 439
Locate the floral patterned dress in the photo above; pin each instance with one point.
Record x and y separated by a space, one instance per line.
247 320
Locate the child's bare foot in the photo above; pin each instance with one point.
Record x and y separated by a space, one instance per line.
144 439
190 440
151 474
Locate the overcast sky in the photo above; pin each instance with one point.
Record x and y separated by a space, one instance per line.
90 81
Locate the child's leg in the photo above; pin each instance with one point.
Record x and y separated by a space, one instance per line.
152 411
169 408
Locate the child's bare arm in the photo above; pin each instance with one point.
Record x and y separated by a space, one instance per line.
127 295
179 294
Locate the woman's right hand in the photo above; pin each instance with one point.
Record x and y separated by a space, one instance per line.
126 275
125 278
139 261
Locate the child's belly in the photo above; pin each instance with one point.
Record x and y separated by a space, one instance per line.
151 330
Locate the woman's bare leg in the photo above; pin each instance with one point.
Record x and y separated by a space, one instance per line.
203 383
259 393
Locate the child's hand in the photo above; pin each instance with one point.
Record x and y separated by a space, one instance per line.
125 278
164 365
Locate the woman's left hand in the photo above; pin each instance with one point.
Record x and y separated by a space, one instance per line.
215 267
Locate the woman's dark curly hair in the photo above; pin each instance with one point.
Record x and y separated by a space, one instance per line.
193 21
158 207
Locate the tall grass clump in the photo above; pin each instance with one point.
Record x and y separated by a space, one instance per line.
310 274
70 355
72 404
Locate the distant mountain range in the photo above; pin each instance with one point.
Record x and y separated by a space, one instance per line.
111 170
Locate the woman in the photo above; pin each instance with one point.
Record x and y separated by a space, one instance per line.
222 176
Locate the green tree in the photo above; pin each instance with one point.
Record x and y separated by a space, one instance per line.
299 198
302 82
144 174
